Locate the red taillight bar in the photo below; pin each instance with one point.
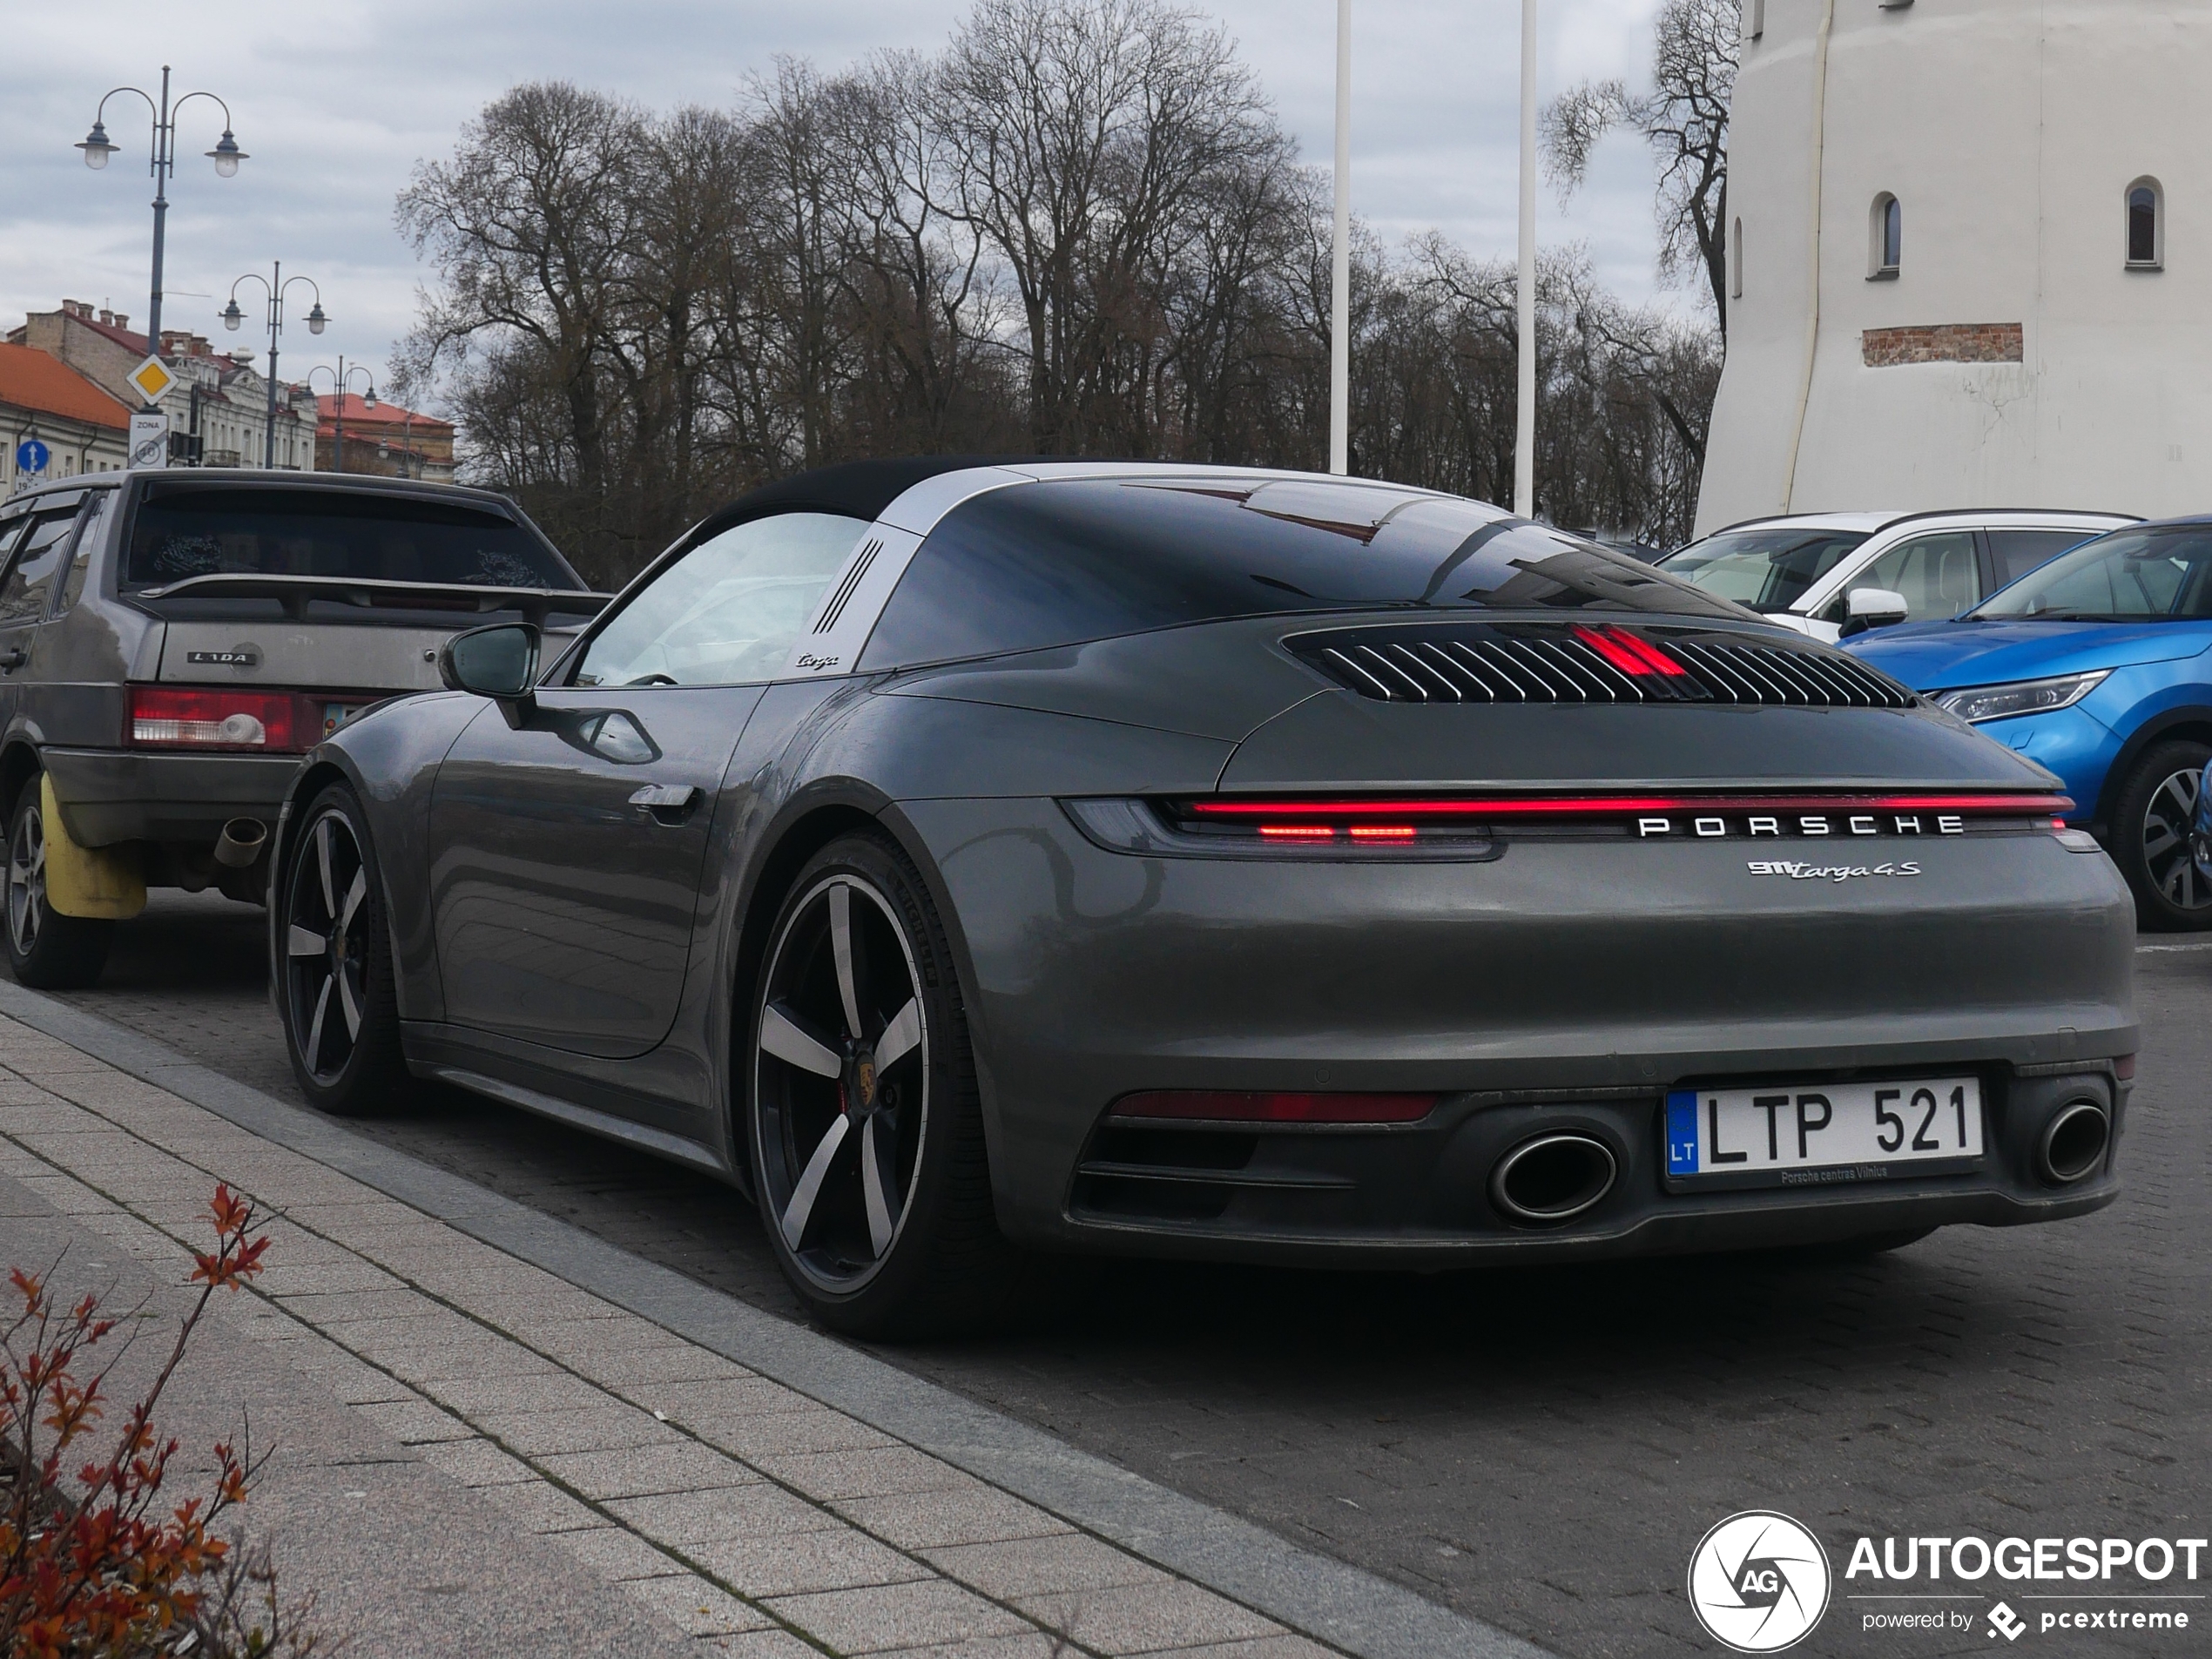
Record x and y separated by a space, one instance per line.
1227 1107
1597 806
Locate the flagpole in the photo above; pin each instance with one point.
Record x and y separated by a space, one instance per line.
1341 261
1524 456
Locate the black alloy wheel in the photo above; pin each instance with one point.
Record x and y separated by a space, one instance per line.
46 950
865 1133
341 1025
2154 838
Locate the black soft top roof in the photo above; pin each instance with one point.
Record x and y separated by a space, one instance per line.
857 489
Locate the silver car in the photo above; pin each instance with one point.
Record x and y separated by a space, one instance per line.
172 642
1830 575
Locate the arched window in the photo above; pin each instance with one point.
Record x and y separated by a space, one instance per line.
1735 261
2145 225
1886 239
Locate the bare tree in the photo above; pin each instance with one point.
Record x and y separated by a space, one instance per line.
1684 119
1088 131
1078 230
529 226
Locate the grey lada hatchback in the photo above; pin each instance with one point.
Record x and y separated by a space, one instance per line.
171 642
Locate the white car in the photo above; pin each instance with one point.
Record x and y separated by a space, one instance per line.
1803 569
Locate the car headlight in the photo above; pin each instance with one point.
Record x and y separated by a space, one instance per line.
1980 703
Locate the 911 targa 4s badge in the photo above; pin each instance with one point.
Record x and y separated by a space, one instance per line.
966 861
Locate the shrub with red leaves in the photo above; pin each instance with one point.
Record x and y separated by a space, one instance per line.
103 1565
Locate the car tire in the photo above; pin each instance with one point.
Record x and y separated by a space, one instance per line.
332 970
916 1250
46 951
2152 822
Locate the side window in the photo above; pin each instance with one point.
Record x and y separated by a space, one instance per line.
1936 574
2017 552
2145 225
1885 239
97 513
29 578
729 610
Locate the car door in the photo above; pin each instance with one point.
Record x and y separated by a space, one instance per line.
567 852
1939 575
38 556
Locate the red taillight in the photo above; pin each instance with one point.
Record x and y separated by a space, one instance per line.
1186 1105
1383 831
1297 832
1482 808
200 717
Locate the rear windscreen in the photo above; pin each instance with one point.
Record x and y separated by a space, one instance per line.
1059 563
187 532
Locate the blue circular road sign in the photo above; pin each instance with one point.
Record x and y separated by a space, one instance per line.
32 456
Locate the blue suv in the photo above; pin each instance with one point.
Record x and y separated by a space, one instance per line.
2096 667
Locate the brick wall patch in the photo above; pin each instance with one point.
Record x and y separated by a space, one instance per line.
1950 342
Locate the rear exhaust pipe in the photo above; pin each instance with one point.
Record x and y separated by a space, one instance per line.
1553 1178
241 842
2073 1146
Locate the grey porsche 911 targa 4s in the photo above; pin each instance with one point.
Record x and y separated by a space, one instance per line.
969 861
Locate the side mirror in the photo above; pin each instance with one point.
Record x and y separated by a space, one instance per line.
1875 608
499 662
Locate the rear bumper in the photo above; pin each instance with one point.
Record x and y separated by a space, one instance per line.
110 795
1559 986
1422 1197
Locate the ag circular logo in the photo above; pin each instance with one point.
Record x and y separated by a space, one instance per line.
1758 1582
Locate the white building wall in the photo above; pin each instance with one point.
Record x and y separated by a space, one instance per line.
2009 130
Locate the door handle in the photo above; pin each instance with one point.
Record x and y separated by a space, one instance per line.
13 659
669 804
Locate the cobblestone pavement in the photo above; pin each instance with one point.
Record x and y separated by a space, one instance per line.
1538 1450
733 1514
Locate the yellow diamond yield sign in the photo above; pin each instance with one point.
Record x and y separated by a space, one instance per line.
152 378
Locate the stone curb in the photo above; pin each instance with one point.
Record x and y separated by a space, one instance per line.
1351 1609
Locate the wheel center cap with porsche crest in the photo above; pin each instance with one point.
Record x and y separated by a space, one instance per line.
864 1080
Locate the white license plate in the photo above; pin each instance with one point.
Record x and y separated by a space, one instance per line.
1809 1133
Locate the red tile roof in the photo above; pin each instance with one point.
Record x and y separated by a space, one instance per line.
31 380
360 417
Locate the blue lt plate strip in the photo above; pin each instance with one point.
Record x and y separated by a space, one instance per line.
1682 1132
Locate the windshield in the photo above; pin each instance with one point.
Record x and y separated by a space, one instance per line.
2129 576
1768 569
1061 562
188 532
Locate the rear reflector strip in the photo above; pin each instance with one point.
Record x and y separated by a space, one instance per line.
1187 1105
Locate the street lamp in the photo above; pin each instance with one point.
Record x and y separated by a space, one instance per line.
274 284
98 148
339 378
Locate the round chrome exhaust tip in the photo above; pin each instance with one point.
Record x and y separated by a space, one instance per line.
2073 1145
241 842
1553 1178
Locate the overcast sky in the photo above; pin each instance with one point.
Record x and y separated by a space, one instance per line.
336 102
